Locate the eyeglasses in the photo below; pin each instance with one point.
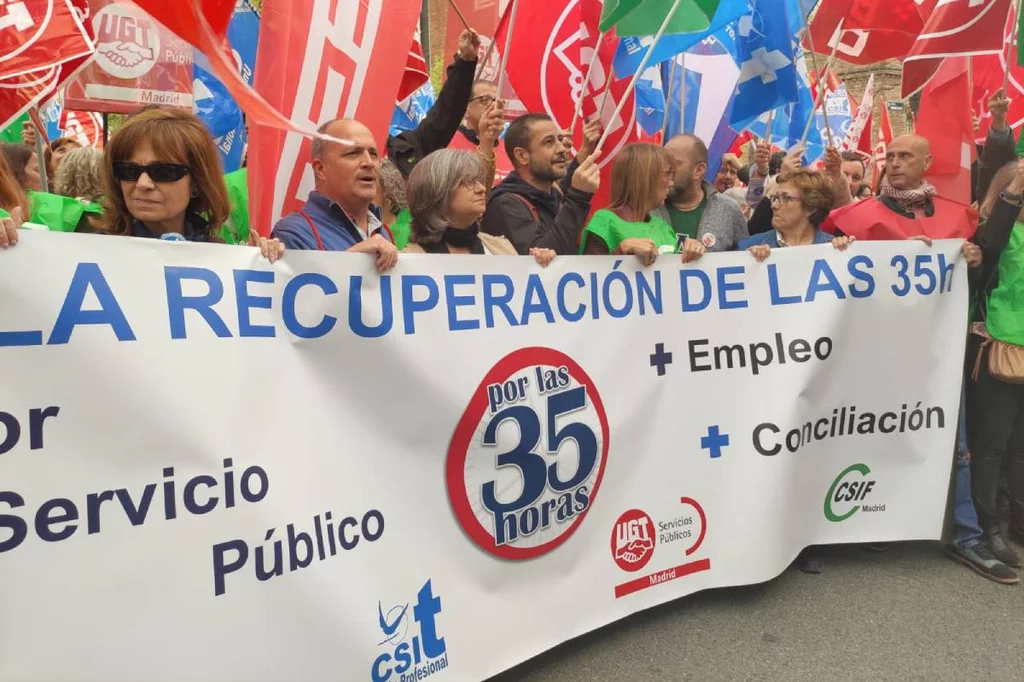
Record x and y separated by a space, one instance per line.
486 100
125 171
783 198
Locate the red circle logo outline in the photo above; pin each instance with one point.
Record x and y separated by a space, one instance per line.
457 450
624 564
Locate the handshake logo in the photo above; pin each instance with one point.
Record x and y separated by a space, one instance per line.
633 540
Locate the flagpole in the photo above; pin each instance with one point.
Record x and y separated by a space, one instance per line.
668 100
44 180
508 46
1009 53
586 82
487 57
821 90
607 89
682 93
814 63
768 129
462 17
643 65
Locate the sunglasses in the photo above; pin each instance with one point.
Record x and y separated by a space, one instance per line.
125 171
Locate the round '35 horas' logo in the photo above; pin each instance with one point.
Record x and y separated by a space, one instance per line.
528 455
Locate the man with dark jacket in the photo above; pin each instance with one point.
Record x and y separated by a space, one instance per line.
527 207
441 123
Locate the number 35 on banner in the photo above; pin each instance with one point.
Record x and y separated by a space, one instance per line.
528 454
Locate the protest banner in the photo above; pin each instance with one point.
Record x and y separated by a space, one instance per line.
281 471
40 34
138 62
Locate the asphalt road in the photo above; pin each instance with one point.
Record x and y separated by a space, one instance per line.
910 613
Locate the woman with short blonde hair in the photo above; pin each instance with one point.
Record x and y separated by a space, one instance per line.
642 176
80 174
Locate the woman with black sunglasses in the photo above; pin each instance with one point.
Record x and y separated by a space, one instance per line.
163 177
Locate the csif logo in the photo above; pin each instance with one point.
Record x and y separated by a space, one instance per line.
412 651
848 491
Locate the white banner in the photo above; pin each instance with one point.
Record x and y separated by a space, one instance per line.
216 469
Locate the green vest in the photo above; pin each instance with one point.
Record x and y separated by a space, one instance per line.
57 213
1005 317
614 230
236 229
401 229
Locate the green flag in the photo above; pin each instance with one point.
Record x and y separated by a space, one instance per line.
236 229
1020 30
12 133
644 17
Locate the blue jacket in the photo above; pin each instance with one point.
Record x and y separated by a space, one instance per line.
771 238
336 229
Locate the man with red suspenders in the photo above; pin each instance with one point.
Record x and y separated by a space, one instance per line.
340 214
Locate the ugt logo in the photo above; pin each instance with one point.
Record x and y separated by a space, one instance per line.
528 455
633 540
851 485
410 657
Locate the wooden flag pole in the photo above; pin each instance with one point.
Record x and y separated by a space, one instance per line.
586 82
768 129
508 46
462 17
44 180
640 70
668 100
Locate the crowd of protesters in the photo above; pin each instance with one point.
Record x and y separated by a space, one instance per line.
159 177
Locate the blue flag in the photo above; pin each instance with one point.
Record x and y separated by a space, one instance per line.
413 109
632 49
764 52
650 100
217 109
711 74
790 120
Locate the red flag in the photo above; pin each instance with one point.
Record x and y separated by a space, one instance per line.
944 119
416 71
84 126
556 42
988 73
884 138
21 93
952 29
318 61
182 18
873 30
858 137
38 34
137 62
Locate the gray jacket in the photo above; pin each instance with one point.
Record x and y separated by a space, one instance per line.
722 226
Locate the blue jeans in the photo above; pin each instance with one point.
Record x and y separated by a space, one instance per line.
968 531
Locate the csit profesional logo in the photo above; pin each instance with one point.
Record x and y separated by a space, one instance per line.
528 454
848 494
413 649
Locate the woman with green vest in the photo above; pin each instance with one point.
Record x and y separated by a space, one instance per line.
995 394
642 176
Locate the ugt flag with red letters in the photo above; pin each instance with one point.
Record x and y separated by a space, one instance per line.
318 61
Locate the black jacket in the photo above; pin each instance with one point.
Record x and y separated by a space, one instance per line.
530 218
441 123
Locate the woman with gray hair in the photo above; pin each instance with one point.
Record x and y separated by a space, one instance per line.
80 174
393 205
447 198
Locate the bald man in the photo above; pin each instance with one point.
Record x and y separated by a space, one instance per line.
907 205
694 208
340 214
